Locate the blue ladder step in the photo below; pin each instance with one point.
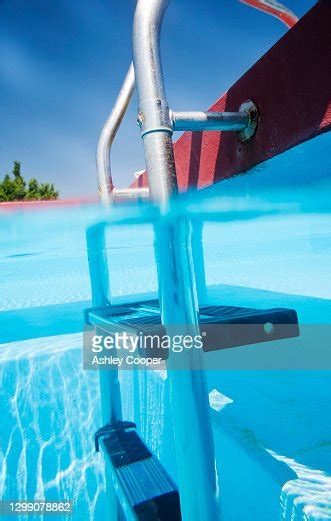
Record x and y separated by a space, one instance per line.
144 488
225 326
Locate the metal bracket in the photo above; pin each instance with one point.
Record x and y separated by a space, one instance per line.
109 428
250 108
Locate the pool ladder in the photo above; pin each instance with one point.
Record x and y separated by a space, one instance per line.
137 483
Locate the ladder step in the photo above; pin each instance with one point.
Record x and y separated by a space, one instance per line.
236 326
144 488
125 447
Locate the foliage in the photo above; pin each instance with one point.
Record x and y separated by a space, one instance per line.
15 189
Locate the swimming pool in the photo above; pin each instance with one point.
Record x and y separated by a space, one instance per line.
271 428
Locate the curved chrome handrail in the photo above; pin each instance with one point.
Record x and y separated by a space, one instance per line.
173 244
107 191
177 285
153 115
156 120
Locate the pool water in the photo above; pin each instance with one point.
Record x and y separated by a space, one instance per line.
272 429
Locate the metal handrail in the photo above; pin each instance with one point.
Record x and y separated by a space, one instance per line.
107 192
197 121
173 244
177 281
157 122
154 117
177 284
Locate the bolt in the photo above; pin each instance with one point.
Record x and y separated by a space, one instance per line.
253 114
268 328
140 119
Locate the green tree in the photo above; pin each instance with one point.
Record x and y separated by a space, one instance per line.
7 189
17 170
33 189
47 191
15 189
19 182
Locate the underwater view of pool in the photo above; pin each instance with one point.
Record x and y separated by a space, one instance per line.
272 429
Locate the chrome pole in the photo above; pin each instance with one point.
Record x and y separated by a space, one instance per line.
111 407
153 115
131 193
107 136
210 120
177 286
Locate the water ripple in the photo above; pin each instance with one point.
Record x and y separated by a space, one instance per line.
50 410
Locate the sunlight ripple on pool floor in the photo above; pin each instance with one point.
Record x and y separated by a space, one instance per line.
49 411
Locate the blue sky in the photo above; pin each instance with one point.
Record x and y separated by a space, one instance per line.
62 63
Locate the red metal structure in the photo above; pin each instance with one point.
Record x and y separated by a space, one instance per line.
290 84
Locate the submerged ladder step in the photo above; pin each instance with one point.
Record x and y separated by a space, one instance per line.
144 488
225 326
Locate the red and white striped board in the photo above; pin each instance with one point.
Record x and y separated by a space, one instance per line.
275 9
